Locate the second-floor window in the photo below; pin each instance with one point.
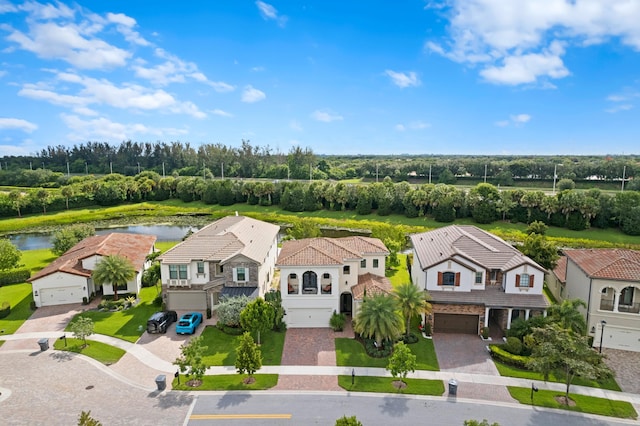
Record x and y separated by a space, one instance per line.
241 274
201 267
178 272
346 270
478 277
375 263
363 263
448 278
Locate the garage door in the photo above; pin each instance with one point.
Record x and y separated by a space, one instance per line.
311 318
453 323
187 300
620 338
60 295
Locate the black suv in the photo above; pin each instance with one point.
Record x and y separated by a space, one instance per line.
160 321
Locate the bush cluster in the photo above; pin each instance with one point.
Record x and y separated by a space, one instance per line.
336 322
14 276
412 338
374 352
5 310
513 345
498 353
118 305
232 331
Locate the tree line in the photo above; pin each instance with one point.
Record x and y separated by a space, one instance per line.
485 203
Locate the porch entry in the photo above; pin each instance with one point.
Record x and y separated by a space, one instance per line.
346 303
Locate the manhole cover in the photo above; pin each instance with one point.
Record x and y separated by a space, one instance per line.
89 387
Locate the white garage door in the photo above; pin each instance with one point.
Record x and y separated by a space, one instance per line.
308 317
60 295
620 338
187 300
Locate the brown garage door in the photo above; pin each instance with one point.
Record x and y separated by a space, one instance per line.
454 323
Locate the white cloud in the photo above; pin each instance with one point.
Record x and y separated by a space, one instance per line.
47 11
514 120
221 86
403 80
221 113
268 12
17 124
326 116
251 95
7 7
103 128
623 101
520 118
122 19
414 125
125 26
618 108
295 125
257 69
400 127
513 41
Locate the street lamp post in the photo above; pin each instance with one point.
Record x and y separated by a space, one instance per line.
602 323
555 176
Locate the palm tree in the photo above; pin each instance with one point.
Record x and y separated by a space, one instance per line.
412 302
568 316
379 318
115 270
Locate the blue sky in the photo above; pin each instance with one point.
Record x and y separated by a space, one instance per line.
340 77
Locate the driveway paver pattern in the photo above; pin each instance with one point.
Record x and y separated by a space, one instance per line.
626 365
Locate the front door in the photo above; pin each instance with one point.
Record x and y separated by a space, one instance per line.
346 301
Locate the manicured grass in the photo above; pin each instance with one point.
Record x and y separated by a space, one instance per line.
222 347
102 352
385 385
399 274
37 259
163 246
351 353
228 382
124 325
584 404
19 298
510 371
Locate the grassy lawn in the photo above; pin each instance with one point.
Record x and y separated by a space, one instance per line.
228 382
509 371
400 274
351 353
102 352
124 324
384 385
222 347
584 404
19 298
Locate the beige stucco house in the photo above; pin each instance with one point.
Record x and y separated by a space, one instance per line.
608 281
231 256
68 278
475 278
321 275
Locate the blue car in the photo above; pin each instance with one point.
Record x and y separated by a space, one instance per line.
188 323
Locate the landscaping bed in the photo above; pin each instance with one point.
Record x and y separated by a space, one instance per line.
386 385
228 382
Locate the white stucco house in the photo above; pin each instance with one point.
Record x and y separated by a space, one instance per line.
475 278
232 256
68 278
321 275
608 281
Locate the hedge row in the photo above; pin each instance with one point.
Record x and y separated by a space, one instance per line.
507 358
14 276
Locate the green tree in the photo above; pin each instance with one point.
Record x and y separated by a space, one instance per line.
537 227
191 360
402 361
229 310
44 197
484 422
257 317
9 254
248 355
17 200
67 192
568 315
412 302
274 298
558 348
115 270
348 421
85 419
538 248
379 318
566 184
67 237
304 228
82 328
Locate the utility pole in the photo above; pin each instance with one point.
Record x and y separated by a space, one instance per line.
485 173
138 167
163 169
110 167
222 171
624 172
68 169
376 173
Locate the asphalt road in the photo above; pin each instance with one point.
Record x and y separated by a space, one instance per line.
323 409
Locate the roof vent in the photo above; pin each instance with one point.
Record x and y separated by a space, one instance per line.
440 254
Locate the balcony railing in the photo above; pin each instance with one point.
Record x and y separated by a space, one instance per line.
180 283
607 305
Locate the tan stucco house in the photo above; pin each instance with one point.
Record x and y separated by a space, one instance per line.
475 279
608 281
68 278
321 275
232 256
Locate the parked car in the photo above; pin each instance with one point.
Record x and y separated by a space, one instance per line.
188 323
160 321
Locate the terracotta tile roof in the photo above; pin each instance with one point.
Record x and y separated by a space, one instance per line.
613 264
470 242
560 271
373 285
225 238
134 247
328 251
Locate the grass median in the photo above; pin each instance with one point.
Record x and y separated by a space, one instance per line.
102 352
228 382
351 353
385 385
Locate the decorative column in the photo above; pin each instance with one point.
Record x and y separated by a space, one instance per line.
509 318
526 314
486 316
616 300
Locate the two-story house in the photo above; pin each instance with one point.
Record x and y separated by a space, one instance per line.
608 281
321 275
231 256
475 278
68 278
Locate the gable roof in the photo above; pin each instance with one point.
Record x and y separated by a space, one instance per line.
470 242
560 271
328 251
224 239
613 264
134 247
371 285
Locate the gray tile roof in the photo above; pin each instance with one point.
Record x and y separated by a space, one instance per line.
470 242
492 297
225 238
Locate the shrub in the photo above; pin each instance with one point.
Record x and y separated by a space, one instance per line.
375 352
32 305
14 276
208 313
5 310
513 346
158 300
336 322
505 357
427 328
485 332
85 301
232 331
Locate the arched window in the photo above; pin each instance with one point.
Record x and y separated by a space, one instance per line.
309 283
325 283
292 284
607 299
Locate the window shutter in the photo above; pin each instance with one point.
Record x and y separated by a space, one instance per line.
531 277
457 279
439 278
518 280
